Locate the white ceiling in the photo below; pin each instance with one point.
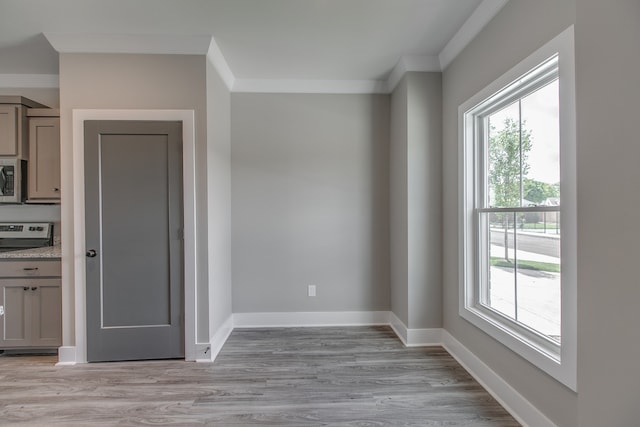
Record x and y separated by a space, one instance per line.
320 40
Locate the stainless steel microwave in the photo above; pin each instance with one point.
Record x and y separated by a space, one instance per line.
13 180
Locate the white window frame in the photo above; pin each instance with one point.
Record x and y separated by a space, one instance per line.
559 361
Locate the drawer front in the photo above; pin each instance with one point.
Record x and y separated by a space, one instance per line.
30 268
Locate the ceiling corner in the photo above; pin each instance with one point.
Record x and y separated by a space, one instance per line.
480 17
215 56
408 63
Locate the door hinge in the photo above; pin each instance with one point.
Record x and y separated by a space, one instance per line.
180 233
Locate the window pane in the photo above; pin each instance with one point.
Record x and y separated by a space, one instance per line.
504 157
500 286
538 276
522 281
523 151
540 119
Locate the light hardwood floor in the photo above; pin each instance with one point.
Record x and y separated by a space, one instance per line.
355 376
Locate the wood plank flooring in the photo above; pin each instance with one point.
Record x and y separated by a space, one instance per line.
355 376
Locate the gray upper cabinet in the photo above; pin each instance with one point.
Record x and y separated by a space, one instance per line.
10 132
44 158
13 125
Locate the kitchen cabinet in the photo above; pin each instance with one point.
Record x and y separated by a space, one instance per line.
9 130
13 126
44 156
30 304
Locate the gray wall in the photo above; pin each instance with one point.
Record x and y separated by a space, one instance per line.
399 204
416 199
519 29
607 70
118 81
309 194
219 198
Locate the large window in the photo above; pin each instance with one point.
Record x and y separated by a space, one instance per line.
518 210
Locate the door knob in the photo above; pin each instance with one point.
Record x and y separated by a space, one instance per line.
91 253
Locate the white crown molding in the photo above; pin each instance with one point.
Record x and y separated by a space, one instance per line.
46 81
516 404
206 45
408 63
215 56
129 43
472 26
310 86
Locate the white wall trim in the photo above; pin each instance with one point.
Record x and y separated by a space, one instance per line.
424 337
187 117
66 356
25 81
408 63
480 17
217 341
310 318
519 407
310 86
215 56
129 43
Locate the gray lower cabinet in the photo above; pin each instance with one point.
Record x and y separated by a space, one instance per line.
31 305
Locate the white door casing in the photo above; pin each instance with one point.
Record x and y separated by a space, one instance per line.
78 353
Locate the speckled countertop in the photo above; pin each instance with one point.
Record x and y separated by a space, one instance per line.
44 252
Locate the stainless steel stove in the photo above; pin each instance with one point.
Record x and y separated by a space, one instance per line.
16 236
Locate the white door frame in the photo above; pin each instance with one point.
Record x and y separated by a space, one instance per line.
187 117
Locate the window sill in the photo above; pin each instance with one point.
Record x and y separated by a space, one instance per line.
535 350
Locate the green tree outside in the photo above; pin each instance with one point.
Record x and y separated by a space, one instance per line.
538 191
508 166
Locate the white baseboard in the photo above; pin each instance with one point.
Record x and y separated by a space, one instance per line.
66 356
202 350
415 337
519 407
218 340
314 318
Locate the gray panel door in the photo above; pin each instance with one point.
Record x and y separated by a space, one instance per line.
133 208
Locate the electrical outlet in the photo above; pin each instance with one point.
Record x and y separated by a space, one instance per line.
311 290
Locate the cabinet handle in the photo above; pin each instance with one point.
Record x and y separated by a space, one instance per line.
30 268
33 288
56 190
25 288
